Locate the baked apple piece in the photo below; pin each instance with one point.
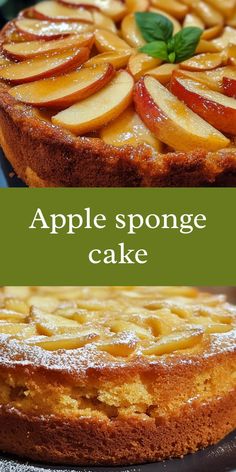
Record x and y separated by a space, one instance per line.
117 59
175 8
43 67
115 9
213 79
36 29
205 61
163 73
103 22
51 10
225 39
28 50
140 63
214 107
61 92
172 121
107 41
94 112
129 129
209 15
131 33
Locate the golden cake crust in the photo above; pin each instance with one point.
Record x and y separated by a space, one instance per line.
85 441
94 405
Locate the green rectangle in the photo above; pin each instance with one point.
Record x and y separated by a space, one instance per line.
36 257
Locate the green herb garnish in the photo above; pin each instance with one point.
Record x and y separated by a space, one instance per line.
157 30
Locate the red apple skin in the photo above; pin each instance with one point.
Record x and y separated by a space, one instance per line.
229 86
82 94
87 43
147 109
219 116
79 58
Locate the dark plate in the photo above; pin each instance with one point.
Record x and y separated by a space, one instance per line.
8 177
219 458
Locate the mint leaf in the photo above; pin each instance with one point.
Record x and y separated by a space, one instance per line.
184 43
157 49
154 26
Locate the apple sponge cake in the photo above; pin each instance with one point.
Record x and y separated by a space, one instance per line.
120 93
114 375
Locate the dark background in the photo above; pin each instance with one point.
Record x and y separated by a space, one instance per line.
10 8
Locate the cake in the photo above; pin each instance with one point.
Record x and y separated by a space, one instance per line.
114 375
83 104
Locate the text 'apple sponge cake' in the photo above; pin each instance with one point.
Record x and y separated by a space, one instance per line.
114 375
120 93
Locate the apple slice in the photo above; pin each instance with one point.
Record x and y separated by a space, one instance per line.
115 9
42 67
213 79
228 37
36 29
175 8
229 86
137 5
211 33
205 61
94 112
130 31
107 41
51 10
163 73
129 129
103 21
172 121
176 24
31 49
207 46
208 14
117 59
65 90
214 107
141 63
193 20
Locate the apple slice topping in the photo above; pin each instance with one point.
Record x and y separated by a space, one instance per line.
141 63
61 92
131 33
42 67
163 73
103 22
228 37
205 61
214 107
51 10
107 41
94 112
175 8
115 9
213 79
36 29
117 59
31 49
172 121
129 129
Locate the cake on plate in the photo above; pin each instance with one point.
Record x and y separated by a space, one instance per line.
120 93
114 375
